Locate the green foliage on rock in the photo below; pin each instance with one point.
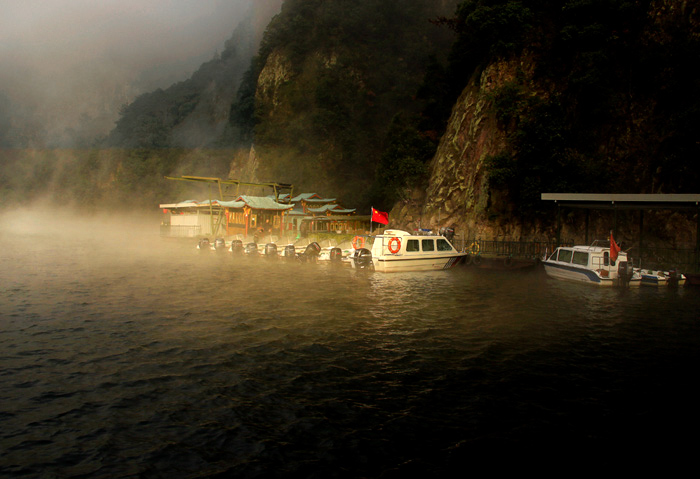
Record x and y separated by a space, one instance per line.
351 67
608 107
404 162
489 29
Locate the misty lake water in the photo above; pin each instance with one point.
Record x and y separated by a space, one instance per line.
126 355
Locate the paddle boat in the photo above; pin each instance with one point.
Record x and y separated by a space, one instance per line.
591 264
397 251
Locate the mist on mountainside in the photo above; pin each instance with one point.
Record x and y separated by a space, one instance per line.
70 66
54 127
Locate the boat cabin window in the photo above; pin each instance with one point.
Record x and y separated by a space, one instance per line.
565 255
443 245
412 245
580 258
606 259
428 244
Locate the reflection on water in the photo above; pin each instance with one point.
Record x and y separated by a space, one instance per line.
125 355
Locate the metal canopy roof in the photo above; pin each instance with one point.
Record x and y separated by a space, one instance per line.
615 202
224 185
624 201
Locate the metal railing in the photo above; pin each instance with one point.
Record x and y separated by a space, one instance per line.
512 249
682 259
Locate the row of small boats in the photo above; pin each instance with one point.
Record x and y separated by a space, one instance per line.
398 251
391 251
310 253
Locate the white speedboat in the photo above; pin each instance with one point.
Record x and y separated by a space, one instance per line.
660 278
591 264
397 250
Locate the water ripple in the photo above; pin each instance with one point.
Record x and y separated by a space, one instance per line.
130 365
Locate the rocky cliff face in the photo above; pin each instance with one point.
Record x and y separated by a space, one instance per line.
332 77
631 140
458 194
277 71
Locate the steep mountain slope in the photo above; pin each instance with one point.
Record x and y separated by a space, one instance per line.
593 97
332 74
445 116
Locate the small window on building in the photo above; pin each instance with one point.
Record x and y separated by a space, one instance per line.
606 259
412 246
428 244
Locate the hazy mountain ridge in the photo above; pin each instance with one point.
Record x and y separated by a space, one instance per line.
443 115
318 99
194 113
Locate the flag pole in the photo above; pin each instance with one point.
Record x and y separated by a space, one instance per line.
371 213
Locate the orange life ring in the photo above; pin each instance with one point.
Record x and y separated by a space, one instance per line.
398 245
358 240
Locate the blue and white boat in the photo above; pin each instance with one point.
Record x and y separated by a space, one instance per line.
660 278
591 264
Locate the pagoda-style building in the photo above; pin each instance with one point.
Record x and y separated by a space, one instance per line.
247 215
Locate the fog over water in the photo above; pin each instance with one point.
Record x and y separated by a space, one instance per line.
126 355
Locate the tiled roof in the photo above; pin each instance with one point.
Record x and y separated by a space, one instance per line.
262 203
320 200
304 196
331 208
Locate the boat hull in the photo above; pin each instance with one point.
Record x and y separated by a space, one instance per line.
396 264
662 279
397 251
583 275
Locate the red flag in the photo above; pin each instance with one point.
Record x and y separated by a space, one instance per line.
380 217
614 248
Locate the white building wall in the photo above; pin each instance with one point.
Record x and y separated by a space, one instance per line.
198 224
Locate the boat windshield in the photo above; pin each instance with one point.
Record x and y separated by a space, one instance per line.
581 258
565 255
443 245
